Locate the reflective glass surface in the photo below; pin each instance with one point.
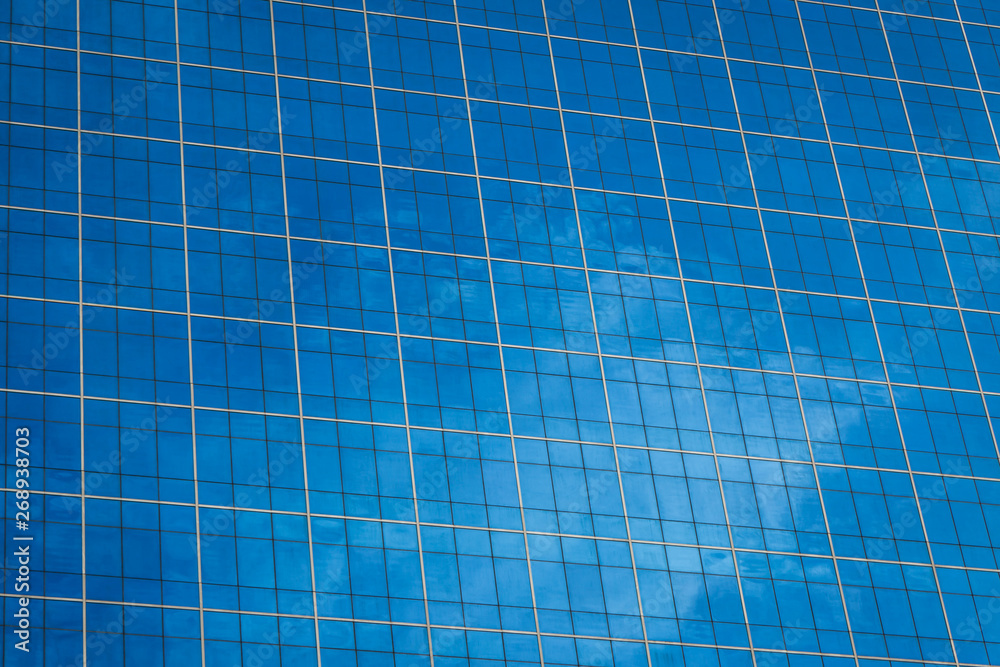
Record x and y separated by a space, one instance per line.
486 333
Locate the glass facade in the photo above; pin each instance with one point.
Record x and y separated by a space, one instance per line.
469 333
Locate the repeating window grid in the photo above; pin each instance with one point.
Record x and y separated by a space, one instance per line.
870 300
773 652
517 261
428 20
190 347
380 87
590 298
899 4
542 533
958 299
923 525
857 218
295 339
264 413
698 281
951 474
399 348
264 234
870 10
323 158
954 651
755 133
432 19
697 364
760 457
937 227
971 90
788 346
496 319
996 142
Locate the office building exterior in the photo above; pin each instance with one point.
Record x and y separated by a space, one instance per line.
484 333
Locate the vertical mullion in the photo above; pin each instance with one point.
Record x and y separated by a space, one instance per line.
399 340
958 302
784 331
190 342
597 339
694 345
496 319
295 337
83 420
878 337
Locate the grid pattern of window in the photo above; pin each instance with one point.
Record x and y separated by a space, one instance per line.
474 333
